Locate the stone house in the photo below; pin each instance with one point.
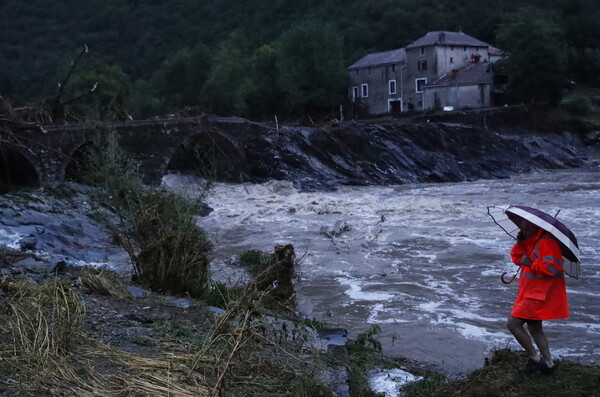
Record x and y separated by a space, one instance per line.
439 70
376 82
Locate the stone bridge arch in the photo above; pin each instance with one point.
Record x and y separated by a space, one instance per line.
210 153
212 145
74 167
17 167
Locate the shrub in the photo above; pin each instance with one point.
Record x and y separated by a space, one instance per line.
579 105
173 251
158 228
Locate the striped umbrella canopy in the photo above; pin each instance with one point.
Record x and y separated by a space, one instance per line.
509 218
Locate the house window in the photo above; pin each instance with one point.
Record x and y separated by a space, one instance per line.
451 60
357 72
465 48
393 68
451 48
369 71
365 90
392 86
419 84
422 65
422 50
354 93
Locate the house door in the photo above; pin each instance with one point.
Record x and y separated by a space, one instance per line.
395 106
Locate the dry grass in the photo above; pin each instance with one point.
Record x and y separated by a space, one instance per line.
121 375
104 283
244 353
39 322
44 348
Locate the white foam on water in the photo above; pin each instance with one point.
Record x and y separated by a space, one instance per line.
439 237
356 293
473 331
590 328
572 291
389 382
10 240
465 314
391 313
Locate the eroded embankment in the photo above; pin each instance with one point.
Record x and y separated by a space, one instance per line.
387 152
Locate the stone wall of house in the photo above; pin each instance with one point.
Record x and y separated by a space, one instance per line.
416 70
459 97
455 57
377 79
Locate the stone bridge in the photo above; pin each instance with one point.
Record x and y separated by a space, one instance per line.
29 157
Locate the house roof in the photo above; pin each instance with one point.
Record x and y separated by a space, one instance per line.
475 73
493 51
441 37
380 58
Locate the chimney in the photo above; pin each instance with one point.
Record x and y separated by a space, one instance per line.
442 37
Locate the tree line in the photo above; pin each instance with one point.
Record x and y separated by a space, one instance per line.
262 58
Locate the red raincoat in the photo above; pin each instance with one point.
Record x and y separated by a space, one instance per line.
542 293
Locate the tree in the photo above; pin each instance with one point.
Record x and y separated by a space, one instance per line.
535 55
226 75
311 66
101 88
260 94
180 80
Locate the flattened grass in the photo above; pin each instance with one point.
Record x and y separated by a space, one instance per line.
501 379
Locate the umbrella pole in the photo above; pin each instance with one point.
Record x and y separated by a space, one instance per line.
510 280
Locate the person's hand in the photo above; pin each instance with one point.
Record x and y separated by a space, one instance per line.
525 261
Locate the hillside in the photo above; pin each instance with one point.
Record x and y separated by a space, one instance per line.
229 57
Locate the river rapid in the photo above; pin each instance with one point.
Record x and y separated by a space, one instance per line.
422 261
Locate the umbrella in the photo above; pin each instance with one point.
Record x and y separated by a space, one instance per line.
509 218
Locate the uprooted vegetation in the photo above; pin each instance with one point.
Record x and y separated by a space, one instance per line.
158 228
59 337
83 333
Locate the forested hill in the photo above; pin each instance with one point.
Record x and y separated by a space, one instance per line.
243 57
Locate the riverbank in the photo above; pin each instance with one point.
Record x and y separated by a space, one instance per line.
116 333
132 338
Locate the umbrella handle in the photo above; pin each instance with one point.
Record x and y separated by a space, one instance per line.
510 280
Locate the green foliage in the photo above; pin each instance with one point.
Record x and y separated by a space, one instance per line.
283 57
179 82
143 341
254 258
226 75
366 341
260 94
173 256
313 323
219 295
311 66
431 386
500 379
579 105
168 250
534 44
105 165
110 84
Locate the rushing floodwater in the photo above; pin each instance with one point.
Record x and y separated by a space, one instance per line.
421 261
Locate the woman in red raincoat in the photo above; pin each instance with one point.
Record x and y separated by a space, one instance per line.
542 293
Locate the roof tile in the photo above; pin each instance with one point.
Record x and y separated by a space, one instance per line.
380 58
441 37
